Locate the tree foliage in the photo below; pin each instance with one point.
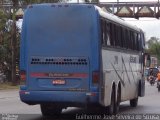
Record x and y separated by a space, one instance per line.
39 1
154 47
5 51
3 36
5 44
55 1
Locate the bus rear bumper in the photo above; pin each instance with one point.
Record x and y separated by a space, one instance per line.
38 97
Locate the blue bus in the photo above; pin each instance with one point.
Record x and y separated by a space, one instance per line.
79 55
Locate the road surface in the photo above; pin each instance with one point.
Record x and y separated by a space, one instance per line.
10 104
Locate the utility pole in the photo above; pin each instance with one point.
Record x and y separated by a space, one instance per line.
13 43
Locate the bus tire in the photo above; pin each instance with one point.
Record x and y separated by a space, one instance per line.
117 103
50 110
134 102
158 89
111 107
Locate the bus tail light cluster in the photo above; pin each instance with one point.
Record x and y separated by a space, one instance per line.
95 77
23 75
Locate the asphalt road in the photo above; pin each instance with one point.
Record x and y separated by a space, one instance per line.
10 104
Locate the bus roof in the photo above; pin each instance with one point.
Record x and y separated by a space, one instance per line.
102 13
116 19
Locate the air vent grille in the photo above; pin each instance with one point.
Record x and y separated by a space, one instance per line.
59 61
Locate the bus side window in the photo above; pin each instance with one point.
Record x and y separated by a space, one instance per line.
116 34
135 42
108 33
104 35
126 39
133 36
123 37
139 42
143 41
102 31
131 40
112 34
117 40
119 36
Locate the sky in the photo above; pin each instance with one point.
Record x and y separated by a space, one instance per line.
151 26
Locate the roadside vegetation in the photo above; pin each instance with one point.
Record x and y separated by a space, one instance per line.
8 86
153 47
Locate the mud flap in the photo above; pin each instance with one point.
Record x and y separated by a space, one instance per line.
141 88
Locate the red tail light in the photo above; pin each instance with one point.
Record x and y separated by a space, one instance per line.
95 77
23 75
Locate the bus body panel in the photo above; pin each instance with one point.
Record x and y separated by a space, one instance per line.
63 97
61 49
122 67
60 46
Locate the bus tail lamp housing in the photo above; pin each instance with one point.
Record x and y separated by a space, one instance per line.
95 77
23 75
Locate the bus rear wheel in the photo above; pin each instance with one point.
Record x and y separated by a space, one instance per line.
112 106
117 103
50 110
158 88
134 102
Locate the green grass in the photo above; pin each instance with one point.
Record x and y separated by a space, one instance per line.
8 86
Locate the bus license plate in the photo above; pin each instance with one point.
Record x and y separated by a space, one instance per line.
59 82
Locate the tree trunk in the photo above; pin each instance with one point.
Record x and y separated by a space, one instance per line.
13 43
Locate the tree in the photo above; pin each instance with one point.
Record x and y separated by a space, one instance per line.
14 42
55 1
154 47
5 51
39 1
